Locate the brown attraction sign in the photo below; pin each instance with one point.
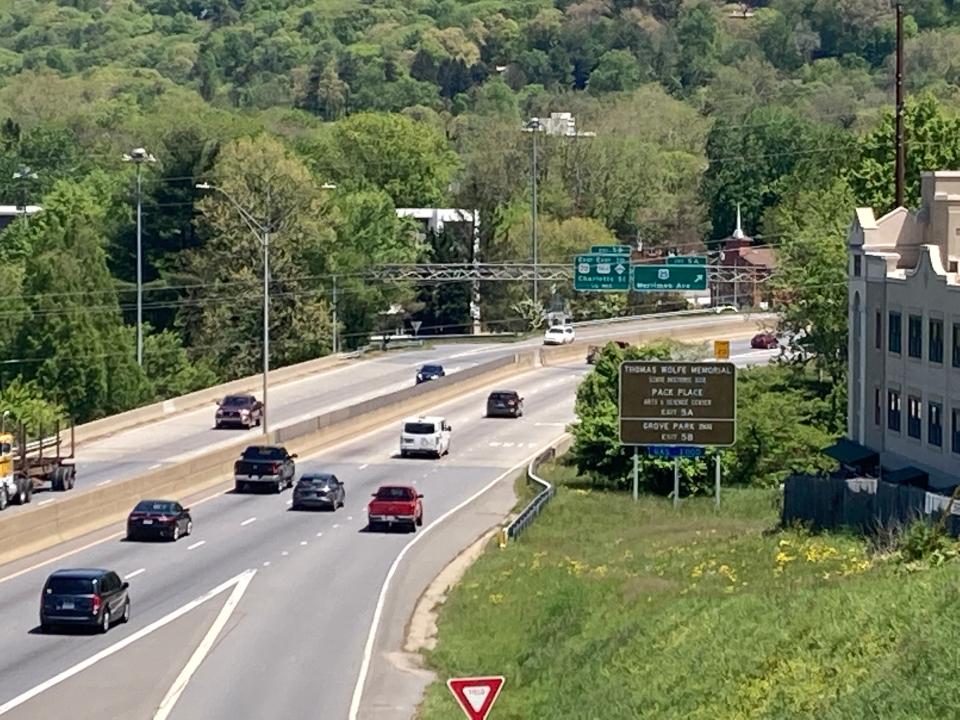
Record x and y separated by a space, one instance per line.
691 404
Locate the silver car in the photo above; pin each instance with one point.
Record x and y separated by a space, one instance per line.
320 490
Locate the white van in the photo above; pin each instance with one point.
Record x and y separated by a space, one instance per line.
425 435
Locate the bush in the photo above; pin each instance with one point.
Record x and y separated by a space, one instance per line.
25 402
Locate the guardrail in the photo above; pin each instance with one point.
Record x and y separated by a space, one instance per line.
533 508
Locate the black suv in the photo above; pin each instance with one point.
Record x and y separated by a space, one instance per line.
430 372
90 597
504 403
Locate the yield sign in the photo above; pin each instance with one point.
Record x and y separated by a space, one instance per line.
476 695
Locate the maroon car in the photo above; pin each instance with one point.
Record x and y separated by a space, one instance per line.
764 341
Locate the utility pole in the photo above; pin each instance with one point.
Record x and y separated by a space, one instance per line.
336 321
21 176
138 156
535 126
899 140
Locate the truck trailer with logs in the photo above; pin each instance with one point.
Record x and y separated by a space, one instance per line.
27 466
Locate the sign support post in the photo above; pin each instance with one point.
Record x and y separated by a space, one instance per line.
716 478
636 474
676 483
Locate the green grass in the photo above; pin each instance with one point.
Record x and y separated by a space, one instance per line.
608 609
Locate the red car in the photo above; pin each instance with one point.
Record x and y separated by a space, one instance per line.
395 505
764 341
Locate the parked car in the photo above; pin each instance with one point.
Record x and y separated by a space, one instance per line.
239 411
269 466
425 435
87 597
504 403
559 335
764 341
430 372
395 505
160 519
594 350
318 490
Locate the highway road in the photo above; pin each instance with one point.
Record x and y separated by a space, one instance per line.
284 634
180 436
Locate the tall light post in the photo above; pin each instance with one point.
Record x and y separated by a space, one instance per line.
535 127
22 176
139 156
262 232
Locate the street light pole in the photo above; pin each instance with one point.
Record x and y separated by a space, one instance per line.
262 232
138 156
533 221
22 176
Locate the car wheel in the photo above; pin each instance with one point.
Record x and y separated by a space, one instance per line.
238 487
280 484
3 498
189 527
176 532
125 618
105 621
420 521
403 453
131 537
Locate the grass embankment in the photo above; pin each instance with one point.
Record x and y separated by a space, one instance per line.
609 609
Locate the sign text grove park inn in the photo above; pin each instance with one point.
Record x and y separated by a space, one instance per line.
678 403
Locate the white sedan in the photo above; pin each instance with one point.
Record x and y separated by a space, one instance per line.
559 335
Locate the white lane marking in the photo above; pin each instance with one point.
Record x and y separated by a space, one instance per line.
180 684
508 444
349 518
196 545
117 647
319 534
381 600
248 521
266 563
284 553
494 443
290 502
364 466
104 482
139 571
336 525
549 424
154 467
303 542
45 502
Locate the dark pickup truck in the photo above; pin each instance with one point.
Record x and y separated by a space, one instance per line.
269 466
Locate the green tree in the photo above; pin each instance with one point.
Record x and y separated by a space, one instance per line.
73 342
617 70
932 143
169 369
811 278
26 403
222 316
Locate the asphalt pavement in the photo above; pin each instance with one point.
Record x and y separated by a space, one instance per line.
284 635
183 435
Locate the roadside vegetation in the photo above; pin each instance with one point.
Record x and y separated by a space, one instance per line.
610 610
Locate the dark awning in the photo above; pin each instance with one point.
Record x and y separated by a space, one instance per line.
907 476
851 453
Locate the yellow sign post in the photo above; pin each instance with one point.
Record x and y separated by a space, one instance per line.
721 349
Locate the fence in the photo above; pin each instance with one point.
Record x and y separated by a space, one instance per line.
865 504
547 490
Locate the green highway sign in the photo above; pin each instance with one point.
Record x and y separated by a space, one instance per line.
601 273
610 250
669 278
686 260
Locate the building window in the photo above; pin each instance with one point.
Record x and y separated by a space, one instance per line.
914 413
956 345
857 261
936 341
893 410
878 329
915 336
935 424
955 427
895 330
877 407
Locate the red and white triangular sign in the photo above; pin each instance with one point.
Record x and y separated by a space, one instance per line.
476 695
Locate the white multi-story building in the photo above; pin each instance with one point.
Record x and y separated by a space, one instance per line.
904 342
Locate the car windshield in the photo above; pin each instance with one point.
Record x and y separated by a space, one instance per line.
317 480
154 506
238 400
394 493
503 396
263 453
555 330
431 369
419 428
70 586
